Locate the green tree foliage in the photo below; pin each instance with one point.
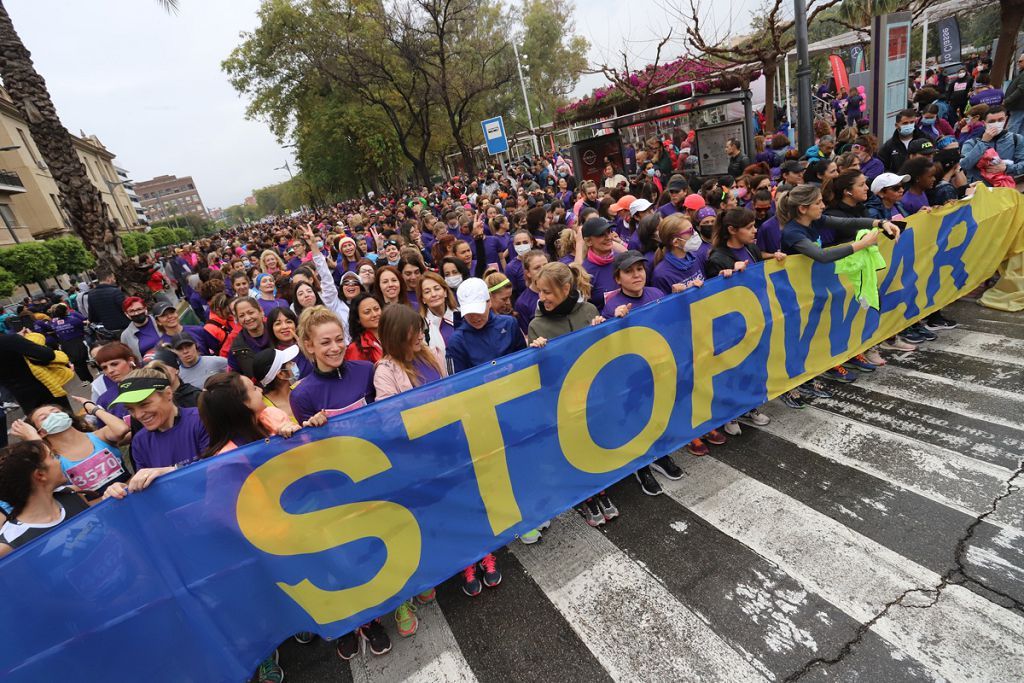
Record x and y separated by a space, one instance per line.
182 235
553 56
28 262
70 254
240 213
7 282
162 236
130 244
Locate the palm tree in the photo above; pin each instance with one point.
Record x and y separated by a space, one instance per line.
81 200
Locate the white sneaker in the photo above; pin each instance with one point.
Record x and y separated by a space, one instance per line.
732 428
756 417
874 357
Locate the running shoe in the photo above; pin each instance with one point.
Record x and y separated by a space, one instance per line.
859 363
927 334
405 617
816 389
791 400
304 637
608 508
937 321
376 637
732 428
667 467
697 447
648 484
426 596
270 671
348 645
544 526
898 344
471 585
715 437
489 566
911 336
530 537
591 512
839 374
755 417
874 357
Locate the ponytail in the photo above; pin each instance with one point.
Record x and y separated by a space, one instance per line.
733 218
787 203
561 274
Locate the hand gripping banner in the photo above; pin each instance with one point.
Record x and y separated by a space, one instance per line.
201 576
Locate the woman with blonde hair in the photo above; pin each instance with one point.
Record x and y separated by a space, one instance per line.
272 263
500 289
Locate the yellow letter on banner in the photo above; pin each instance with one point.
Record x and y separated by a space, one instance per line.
574 433
702 314
476 409
273 530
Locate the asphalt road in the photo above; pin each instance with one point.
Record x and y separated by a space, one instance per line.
875 536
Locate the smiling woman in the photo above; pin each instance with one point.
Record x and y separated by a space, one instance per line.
336 385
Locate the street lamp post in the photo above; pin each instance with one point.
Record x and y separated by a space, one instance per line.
805 133
526 100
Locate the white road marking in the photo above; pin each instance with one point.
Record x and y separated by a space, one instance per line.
634 626
962 637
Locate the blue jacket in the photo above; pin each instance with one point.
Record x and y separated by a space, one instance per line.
876 209
470 347
1009 146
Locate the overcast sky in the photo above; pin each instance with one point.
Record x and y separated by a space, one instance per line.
149 84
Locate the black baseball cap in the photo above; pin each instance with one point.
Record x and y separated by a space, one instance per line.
160 307
596 226
921 146
677 184
182 339
625 259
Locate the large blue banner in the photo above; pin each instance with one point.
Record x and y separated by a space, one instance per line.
205 573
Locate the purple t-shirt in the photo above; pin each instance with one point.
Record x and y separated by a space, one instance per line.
514 273
426 371
201 337
667 274
147 337
183 443
913 202
619 298
347 388
71 326
526 308
268 306
668 209
742 254
602 280
769 236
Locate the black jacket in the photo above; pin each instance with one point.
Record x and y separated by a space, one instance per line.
737 164
105 307
894 152
15 374
721 258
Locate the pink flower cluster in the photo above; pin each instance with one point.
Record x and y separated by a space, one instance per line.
682 72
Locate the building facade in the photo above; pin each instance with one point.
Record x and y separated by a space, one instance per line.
129 188
167 196
29 200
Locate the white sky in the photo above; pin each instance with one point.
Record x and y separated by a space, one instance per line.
149 84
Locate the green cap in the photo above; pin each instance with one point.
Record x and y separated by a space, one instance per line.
138 389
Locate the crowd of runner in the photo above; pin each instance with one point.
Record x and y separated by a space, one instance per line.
298 318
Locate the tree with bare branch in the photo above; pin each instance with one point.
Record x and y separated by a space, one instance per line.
771 38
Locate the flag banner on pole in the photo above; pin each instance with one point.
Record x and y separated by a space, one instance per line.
949 41
201 576
839 73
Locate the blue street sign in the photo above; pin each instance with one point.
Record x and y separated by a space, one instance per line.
494 135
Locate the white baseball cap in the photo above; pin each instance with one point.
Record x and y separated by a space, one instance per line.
473 296
884 180
638 205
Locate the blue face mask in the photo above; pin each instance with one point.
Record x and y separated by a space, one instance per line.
930 121
907 130
55 423
650 172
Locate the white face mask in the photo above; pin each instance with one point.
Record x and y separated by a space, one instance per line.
693 244
996 126
293 370
522 249
453 281
55 423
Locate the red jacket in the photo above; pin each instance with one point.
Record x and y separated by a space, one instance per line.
371 349
223 331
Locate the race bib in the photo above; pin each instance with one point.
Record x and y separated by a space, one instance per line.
94 472
352 406
957 87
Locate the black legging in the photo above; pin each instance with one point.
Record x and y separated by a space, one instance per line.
79 357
